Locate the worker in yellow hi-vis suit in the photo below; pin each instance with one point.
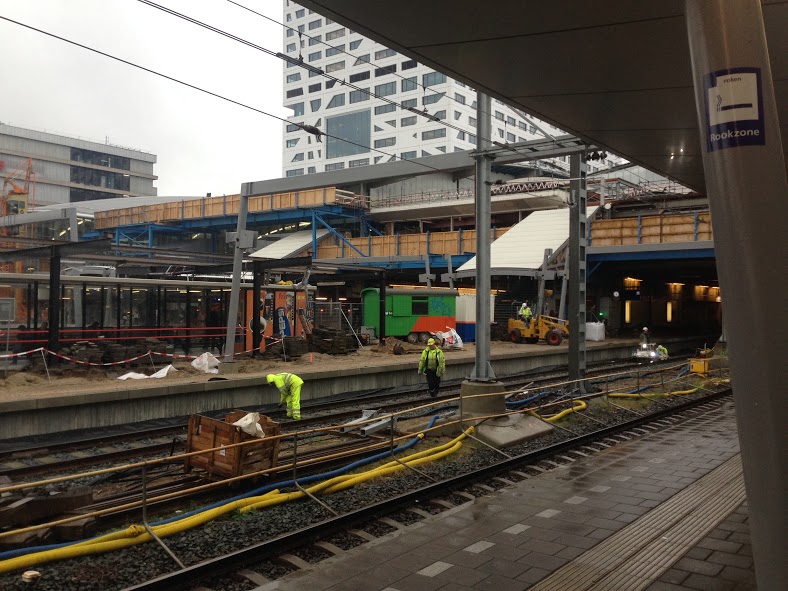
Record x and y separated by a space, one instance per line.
289 386
432 364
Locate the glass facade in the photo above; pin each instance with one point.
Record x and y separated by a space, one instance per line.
433 78
100 178
354 127
99 159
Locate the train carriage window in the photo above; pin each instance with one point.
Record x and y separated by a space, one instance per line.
420 307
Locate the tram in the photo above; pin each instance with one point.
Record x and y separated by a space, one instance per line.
190 314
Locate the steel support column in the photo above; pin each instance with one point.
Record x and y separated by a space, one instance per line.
382 311
577 268
53 338
548 252
257 332
73 224
747 188
483 371
238 260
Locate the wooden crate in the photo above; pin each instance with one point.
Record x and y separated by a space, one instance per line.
206 433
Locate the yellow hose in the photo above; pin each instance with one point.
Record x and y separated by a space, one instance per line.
131 536
137 534
577 406
348 480
674 393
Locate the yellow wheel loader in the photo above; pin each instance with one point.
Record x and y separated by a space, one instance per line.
547 328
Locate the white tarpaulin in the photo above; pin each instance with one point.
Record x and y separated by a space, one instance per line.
133 375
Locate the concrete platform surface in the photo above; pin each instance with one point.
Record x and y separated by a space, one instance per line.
663 512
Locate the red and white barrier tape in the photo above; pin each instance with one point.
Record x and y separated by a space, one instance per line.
80 362
174 355
22 354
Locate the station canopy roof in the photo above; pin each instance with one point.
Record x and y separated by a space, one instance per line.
288 246
616 73
521 250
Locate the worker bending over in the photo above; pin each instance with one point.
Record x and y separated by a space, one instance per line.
525 314
432 364
289 386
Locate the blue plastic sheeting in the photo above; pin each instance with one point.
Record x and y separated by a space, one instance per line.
467 331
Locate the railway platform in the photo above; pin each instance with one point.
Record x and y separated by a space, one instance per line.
664 511
108 402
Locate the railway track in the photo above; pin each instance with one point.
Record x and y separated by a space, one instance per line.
57 457
365 523
286 551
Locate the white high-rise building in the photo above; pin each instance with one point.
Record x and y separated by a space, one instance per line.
314 43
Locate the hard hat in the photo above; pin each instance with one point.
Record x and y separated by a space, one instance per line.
270 377
645 329
431 342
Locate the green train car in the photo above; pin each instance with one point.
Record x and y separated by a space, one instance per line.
411 314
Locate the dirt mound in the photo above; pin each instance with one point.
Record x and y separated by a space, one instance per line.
21 378
394 346
313 358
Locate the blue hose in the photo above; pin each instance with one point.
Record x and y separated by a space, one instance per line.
253 493
681 374
518 403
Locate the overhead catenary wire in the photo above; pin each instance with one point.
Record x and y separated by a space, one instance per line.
299 62
366 91
217 95
200 89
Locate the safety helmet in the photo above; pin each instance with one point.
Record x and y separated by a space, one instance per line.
270 377
431 342
645 329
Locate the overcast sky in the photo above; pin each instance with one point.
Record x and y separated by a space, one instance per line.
203 144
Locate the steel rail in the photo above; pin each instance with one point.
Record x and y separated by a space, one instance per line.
189 577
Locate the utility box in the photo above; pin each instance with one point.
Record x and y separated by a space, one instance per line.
207 433
699 366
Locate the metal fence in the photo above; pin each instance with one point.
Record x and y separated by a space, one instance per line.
338 315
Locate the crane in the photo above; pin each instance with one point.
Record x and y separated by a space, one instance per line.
18 199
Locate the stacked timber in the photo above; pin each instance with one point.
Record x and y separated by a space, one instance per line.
101 351
289 347
333 341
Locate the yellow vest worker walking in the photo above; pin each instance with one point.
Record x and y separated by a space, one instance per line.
289 386
433 364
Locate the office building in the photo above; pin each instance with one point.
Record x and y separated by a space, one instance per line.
61 169
396 109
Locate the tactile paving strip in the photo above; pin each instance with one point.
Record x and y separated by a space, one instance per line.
633 558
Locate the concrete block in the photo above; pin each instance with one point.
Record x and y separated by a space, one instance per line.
510 430
30 509
33 538
76 530
476 400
